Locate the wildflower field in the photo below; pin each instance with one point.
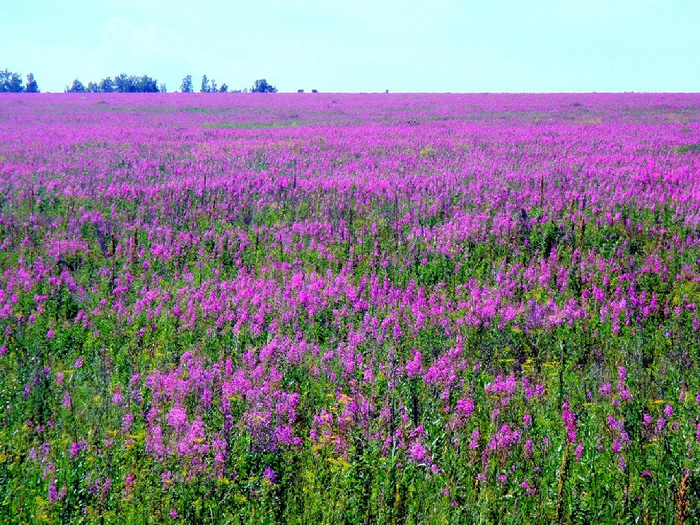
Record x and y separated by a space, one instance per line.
350 309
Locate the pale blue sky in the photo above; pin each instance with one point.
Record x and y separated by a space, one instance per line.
361 45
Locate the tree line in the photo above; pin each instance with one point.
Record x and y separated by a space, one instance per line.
210 86
144 84
11 82
122 83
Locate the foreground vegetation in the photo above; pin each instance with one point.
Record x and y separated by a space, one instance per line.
350 309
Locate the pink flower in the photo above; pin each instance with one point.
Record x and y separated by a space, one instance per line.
474 440
413 367
417 452
616 446
177 416
465 407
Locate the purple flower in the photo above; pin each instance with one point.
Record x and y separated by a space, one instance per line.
270 475
465 407
474 441
117 397
417 452
660 425
413 367
54 495
605 390
177 416
621 463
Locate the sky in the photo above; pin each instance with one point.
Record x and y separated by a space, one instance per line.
361 45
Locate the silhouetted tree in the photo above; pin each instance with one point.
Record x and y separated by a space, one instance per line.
10 82
76 87
262 86
205 85
186 86
32 86
144 84
223 88
123 84
106 85
163 89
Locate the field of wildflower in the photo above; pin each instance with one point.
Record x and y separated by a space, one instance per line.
350 309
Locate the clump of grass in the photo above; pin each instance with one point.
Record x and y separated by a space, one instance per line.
687 148
427 151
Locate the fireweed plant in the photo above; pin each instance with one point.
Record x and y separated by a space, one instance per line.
349 309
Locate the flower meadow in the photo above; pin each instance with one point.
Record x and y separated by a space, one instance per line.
356 309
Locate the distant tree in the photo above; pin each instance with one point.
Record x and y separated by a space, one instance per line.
16 83
163 89
223 88
144 84
123 83
300 90
5 81
262 86
314 90
10 82
76 87
106 85
186 86
32 86
205 85
213 88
